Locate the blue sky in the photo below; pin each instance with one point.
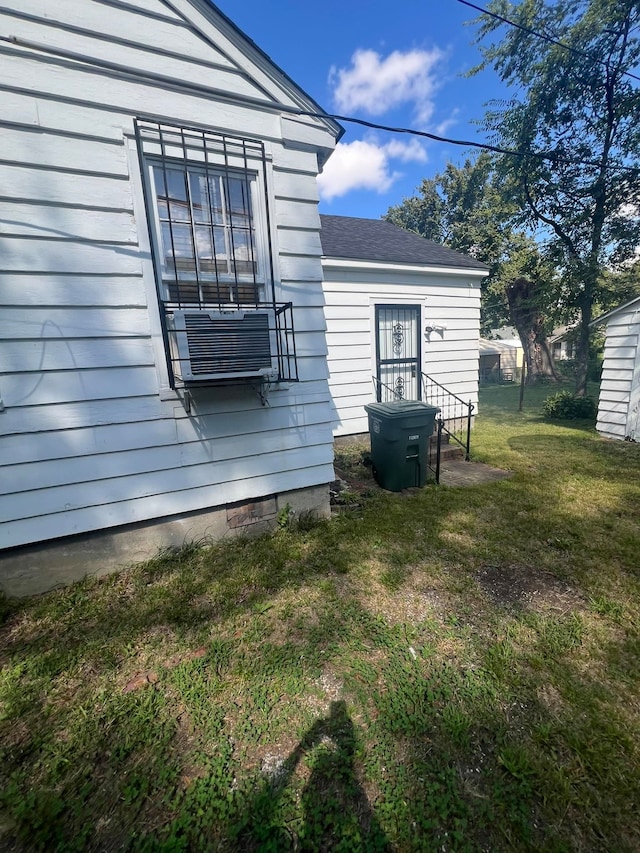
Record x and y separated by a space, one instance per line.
399 63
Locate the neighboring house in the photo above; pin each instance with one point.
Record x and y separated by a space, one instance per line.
162 329
500 361
397 307
561 347
506 334
619 402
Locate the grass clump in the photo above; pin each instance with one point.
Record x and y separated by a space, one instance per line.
453 669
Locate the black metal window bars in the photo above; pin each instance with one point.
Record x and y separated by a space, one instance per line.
210 232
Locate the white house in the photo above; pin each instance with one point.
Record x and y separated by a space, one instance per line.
619 402
561 347
398 307
162 334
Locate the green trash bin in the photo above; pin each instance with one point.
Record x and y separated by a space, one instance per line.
399 432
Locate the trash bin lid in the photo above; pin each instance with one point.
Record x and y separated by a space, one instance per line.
400 408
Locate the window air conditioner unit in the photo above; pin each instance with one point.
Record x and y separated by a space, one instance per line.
216 345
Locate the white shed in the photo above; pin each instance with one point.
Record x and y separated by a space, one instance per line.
500 361
162 328
619 402
398 307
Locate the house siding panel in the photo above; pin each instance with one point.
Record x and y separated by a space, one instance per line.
151 27
351 295
90 441
620 382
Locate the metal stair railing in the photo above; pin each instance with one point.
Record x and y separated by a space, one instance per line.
455 413
392 393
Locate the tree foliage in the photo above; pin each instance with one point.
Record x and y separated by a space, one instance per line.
619 286
469 208
575 116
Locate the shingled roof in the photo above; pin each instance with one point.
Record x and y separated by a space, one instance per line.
377 240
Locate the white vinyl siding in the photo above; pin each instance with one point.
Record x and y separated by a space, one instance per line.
450 357
86 440
619 401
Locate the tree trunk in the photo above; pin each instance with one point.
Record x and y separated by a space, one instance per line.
582 350
529 321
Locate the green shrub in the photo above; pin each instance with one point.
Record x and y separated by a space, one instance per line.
566 367
566 406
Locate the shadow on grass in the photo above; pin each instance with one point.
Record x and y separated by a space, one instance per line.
461 758
511 746
335 812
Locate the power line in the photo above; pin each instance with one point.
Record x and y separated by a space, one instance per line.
423 133
201 89
541 36
485 146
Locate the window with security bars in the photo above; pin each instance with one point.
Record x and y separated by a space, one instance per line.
207 235
210 215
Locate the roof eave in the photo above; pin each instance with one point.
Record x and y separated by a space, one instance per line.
613 311
273 70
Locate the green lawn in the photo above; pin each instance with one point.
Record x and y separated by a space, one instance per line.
455 669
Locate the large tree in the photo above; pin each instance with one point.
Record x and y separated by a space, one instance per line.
469 209
575 117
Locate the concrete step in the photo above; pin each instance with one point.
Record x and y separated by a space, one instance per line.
448 450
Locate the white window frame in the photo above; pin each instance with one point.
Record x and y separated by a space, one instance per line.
258 230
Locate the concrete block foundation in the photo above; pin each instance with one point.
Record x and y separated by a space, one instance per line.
38 568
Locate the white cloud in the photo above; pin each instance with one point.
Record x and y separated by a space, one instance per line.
365 165
446 125
376 85
408 152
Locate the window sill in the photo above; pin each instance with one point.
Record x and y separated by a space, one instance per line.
168 394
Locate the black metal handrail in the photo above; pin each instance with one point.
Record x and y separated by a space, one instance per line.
394 394
455 413
378 385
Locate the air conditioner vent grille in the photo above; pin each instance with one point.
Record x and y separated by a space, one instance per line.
221 344
208 347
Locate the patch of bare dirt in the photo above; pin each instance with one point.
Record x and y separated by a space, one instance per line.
358 481
413 602
277 761
283 631
146 677
527 587
329 688
550 698
330 684
183 746
15 736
